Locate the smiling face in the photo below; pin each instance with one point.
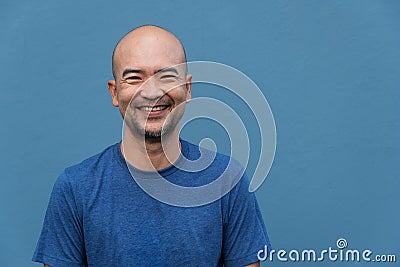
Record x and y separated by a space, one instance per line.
151 85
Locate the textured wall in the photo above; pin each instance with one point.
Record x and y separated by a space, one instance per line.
329 69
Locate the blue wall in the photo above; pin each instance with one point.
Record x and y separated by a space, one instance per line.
329 69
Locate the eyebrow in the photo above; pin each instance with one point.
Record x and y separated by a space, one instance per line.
130 71
168 69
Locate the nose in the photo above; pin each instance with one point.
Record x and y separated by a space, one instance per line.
151 90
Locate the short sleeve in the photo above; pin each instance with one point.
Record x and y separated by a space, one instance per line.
61 240
244 230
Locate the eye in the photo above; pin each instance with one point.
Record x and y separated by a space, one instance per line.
168 76
133 78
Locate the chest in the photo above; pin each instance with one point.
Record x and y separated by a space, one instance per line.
126 227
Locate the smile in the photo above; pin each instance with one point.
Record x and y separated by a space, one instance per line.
156 108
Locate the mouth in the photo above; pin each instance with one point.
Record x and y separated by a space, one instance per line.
155 111
154 108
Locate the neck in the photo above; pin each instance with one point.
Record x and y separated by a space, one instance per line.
149 154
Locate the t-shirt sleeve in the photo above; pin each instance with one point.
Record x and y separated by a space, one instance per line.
244 230
61 240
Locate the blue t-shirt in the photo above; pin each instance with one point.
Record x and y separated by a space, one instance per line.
99 216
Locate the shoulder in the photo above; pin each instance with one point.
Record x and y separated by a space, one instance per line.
91 167
211 160
80 182
212 166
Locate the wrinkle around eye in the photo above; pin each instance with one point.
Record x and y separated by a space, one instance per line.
169 77
132 80
136 78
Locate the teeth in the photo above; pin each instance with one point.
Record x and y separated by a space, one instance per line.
149 109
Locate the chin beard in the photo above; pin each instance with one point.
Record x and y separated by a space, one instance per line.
153 135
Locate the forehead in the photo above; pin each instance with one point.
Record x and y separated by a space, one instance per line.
148 53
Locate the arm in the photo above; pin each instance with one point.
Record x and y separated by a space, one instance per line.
61 240
244 229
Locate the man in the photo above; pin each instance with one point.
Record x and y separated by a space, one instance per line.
99 216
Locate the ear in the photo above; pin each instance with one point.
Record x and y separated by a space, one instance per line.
188 87
112 88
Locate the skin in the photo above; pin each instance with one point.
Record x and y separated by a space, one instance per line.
148 50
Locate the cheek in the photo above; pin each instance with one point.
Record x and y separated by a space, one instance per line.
124 97
179 95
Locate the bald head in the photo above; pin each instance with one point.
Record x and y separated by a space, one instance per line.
149 43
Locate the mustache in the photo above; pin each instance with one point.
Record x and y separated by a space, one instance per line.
162 101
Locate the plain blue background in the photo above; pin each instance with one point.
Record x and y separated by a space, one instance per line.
329 69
